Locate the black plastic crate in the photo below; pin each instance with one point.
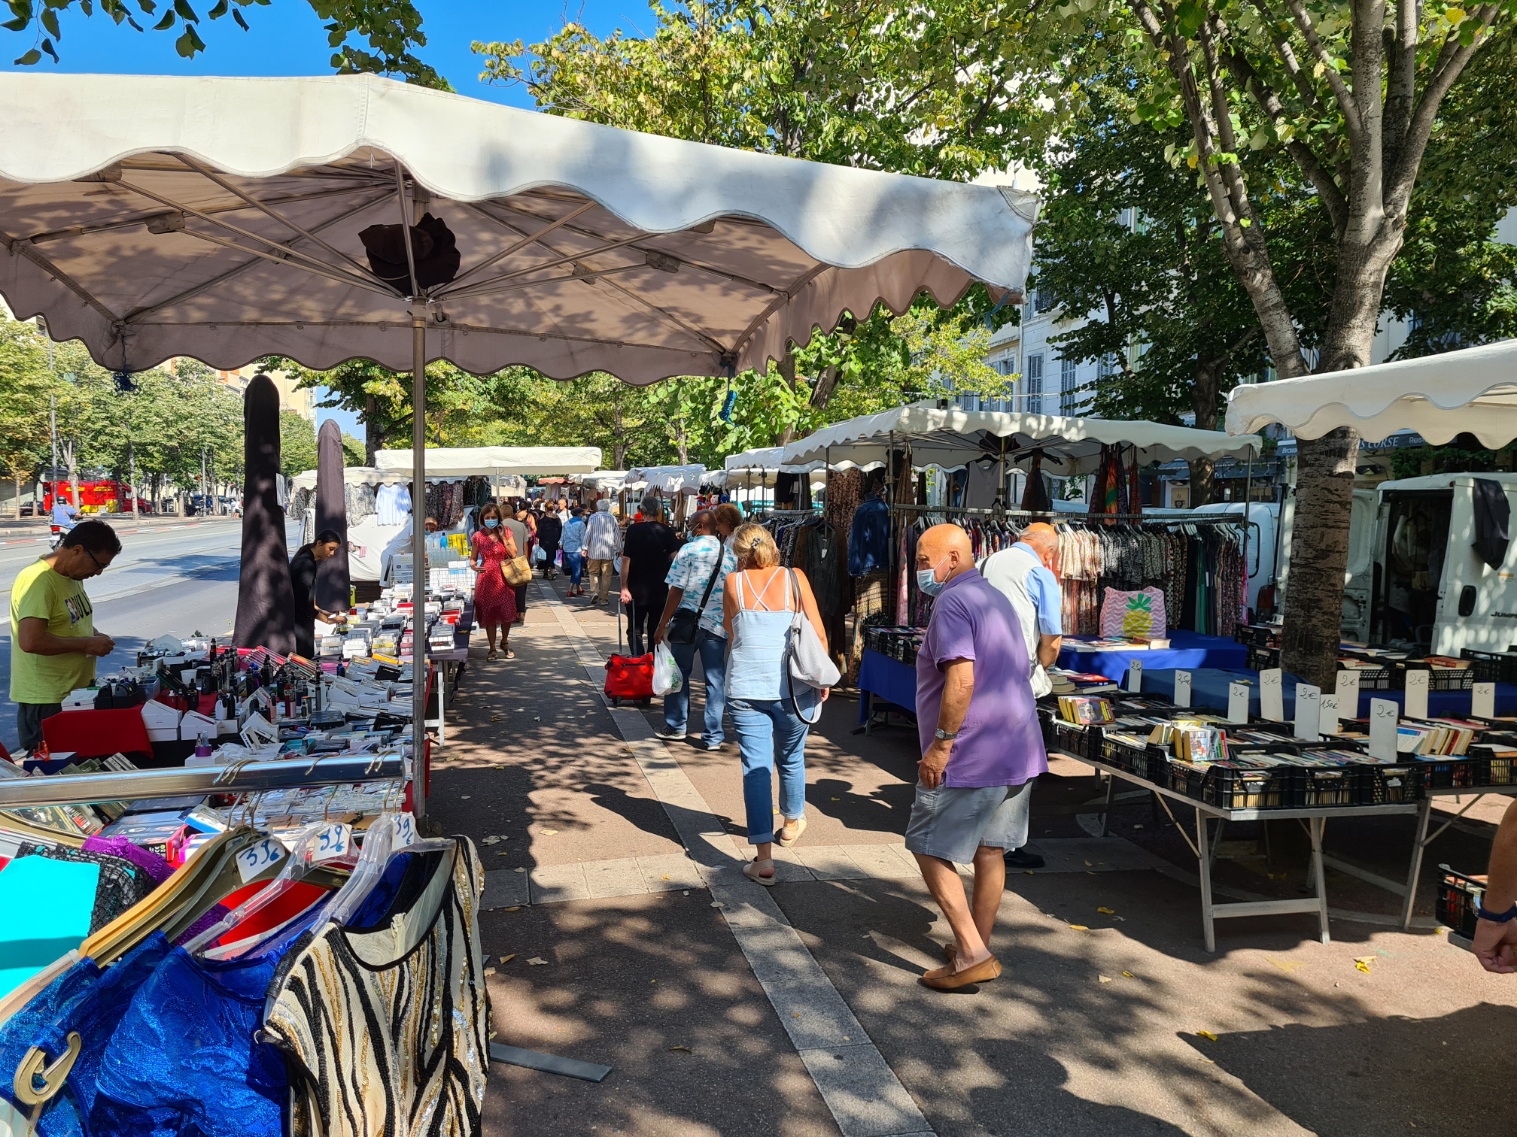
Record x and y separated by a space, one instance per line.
1263 658
1236 787
1445 679
1374 678
1448 773
1324 785
1388 785
1491 666
1459 898
1146 761
1257 635
1491 768
1077 740
1184 778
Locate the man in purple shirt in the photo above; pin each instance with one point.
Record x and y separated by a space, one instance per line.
981 749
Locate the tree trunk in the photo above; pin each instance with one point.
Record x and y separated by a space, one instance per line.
373 440
18 494
681 441
1203 401
826 384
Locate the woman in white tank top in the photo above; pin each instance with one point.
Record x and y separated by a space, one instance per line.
758 604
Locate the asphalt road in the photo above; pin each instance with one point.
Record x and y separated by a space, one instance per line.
177 577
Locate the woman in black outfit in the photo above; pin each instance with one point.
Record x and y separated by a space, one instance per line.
646 552
550 531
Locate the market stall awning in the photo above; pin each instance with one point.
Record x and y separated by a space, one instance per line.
939 434
665 479
602 480
353 476
154 216
484 461
768 458
1438 396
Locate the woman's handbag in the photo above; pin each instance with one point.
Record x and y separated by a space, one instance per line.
686 622
517 571
805 657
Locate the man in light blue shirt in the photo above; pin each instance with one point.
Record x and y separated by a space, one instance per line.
65 514
573 548
695 576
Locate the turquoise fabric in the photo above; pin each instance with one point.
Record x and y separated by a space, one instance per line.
57 898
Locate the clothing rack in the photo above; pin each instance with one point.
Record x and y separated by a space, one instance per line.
87 789
1059 515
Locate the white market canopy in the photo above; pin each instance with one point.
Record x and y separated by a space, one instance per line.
487 461
1473 390
602 481
353 476
665 479
154 216
950 437
763 459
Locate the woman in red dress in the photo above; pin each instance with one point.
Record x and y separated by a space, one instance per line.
494 599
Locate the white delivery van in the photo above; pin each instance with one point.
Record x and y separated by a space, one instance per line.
1415 574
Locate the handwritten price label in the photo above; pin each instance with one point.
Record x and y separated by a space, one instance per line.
257 857
1182 688
1384 714
1308 711
1483 700
1416 694
405 831
332 842
1237 702
1135 676
1272 694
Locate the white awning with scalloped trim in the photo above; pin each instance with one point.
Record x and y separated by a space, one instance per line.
1469 391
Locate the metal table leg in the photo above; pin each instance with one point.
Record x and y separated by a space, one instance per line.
1204 861
1419 843
1317 827
1111 794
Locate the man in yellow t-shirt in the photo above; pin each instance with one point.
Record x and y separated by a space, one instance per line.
53 639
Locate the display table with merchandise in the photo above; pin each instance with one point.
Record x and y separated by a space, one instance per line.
1209 688
1187 650
885 685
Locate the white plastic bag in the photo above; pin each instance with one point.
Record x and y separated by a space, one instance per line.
666 676
539 555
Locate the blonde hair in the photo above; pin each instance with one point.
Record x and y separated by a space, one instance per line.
754 547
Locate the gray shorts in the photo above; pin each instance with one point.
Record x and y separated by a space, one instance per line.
951 822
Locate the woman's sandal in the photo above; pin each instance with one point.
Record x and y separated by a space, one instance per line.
492 657
786 842
752 871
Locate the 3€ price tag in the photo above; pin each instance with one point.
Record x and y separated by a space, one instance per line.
405 831
1416 694
1134 676
1327 714
1483 700
257 857
1384 714
1272 694
335 840
1308 711
1237 702
1182 689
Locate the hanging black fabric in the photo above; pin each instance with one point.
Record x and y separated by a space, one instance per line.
433 247
1492 513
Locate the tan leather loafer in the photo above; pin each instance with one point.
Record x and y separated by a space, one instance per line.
947 979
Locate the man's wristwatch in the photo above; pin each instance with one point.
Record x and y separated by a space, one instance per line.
1496 917
945 735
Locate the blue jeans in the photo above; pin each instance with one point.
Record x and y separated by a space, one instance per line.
770 733
574 565
713 650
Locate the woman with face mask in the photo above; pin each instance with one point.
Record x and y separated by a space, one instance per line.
494 599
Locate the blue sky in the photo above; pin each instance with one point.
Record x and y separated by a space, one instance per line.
287 39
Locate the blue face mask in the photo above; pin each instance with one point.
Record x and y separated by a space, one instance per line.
928 582
492 522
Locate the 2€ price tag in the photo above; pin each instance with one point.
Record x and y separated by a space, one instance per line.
1384 714
1308 711
1134 676
1272 694
1483 700
405 831
1182 689
1416 694
335 840
1237 702
257 857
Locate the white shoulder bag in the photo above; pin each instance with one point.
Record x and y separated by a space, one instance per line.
806 660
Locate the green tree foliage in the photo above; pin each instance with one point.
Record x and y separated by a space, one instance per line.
390 29
297 443
352 450
25 382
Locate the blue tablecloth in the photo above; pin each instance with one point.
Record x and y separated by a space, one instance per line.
1208 687
884 679
1187 650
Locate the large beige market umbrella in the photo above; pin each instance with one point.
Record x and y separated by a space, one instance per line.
220 218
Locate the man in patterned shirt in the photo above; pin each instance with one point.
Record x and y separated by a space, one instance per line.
699 568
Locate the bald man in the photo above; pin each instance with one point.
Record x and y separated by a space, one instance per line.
981 750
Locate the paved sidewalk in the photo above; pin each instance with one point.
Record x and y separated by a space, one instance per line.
620 932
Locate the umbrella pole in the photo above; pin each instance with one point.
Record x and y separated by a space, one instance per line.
419 563
1248 492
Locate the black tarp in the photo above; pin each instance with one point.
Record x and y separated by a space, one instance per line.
332 592
265 602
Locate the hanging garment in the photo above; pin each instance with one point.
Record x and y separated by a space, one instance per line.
1035 498
392 504
984 485
1134 487
869 537
418 982
1139 614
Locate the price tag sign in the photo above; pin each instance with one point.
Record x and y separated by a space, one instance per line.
1348 694
257 857
1237 702
1384 715
1308 711
1483 700
1327 714
1134 676
335 840
1272 694
405 831
1182 688
1416 694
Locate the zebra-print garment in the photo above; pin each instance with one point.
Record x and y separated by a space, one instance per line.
386 1031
